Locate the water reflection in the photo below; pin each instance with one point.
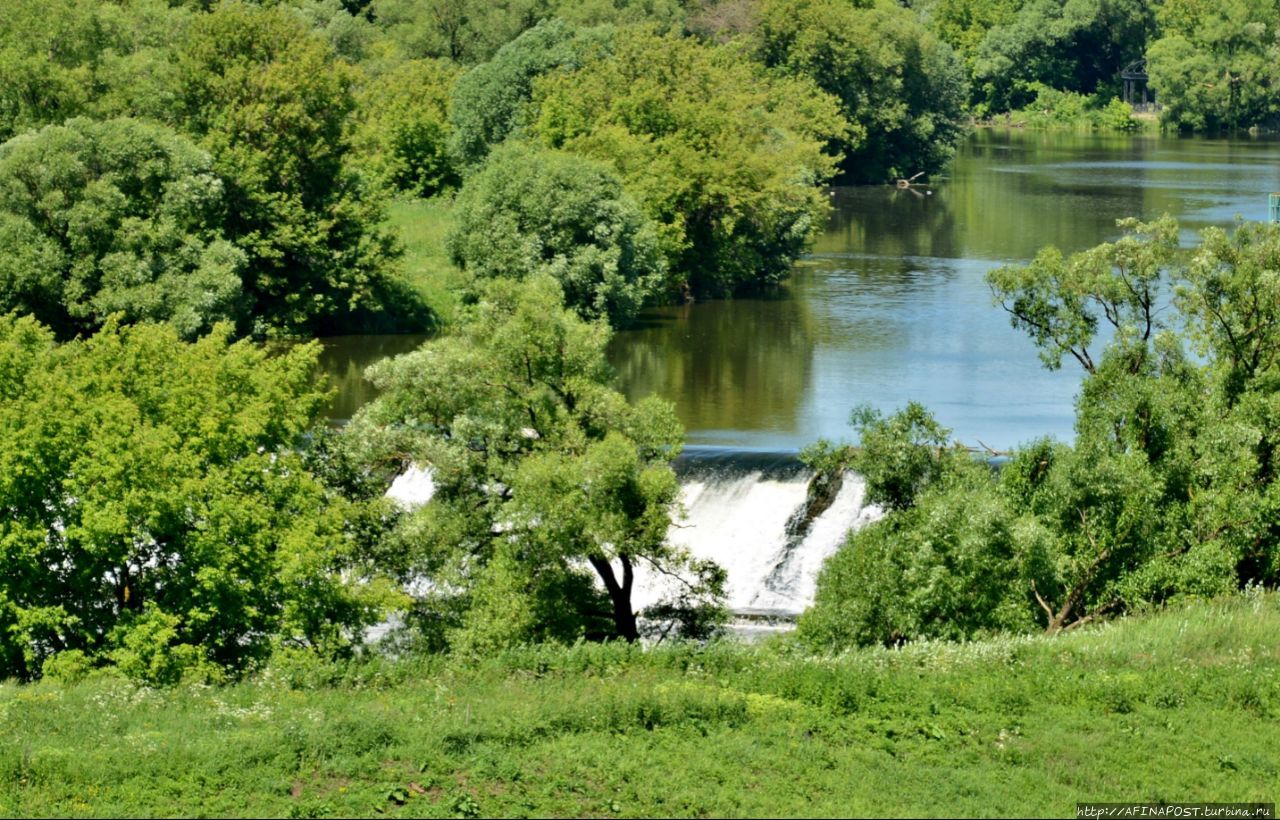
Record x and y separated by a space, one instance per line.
892 304
344 358
730 365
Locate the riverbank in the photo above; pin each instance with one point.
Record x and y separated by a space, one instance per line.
1169 707
422 225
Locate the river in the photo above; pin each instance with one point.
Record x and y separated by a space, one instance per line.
891 304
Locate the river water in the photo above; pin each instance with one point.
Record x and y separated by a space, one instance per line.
890 306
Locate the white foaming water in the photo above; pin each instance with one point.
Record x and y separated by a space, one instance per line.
412 488
793 584
740 522
737 516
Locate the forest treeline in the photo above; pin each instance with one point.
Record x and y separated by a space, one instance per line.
205 162
189 190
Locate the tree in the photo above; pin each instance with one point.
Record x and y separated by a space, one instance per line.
272 104
529 211
49 53
724 156
902 90
463 31
404 127
1169 489
1215 65
111 217
155 514
543 475
945 562
489 100
1071 45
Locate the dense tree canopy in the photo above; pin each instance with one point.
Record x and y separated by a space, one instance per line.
490 99
111 217
1217 65
404 129
1072 45
529 211
723 156
153 512
271 102
902 90
543 475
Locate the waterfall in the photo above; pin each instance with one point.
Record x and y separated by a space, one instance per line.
412 488
737 509
738 505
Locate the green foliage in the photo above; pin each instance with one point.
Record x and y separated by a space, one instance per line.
963 24
1052 108
59 59
541 470
948 567
271 102
532 211
489 100
153 514
720 730
404 127
1060 302
1168 491
902 90
722 155
1215 64
464 31
1079 45
901 455
111 217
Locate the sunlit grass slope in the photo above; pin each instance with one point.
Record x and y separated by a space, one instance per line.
1182 705
422 225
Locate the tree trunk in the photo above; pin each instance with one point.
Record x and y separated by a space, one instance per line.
624 618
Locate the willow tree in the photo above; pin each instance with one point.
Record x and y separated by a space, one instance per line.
155 512
725 156
544 476
1168 490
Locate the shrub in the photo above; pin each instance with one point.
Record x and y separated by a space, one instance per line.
529 211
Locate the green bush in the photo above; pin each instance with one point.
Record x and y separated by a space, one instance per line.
156 514
532 211
111 217
725 156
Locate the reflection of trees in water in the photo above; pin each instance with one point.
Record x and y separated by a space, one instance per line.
344 359
741 364
1013 194
860 302
888 221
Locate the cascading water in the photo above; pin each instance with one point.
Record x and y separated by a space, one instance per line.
412 488
739 506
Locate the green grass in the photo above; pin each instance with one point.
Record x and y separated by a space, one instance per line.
422 225
1182 705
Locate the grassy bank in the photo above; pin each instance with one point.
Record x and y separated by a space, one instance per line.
422 225
1177 706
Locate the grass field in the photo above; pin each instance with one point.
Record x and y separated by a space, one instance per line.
1178 706
422 225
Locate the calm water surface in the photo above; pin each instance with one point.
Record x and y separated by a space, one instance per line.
891 305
